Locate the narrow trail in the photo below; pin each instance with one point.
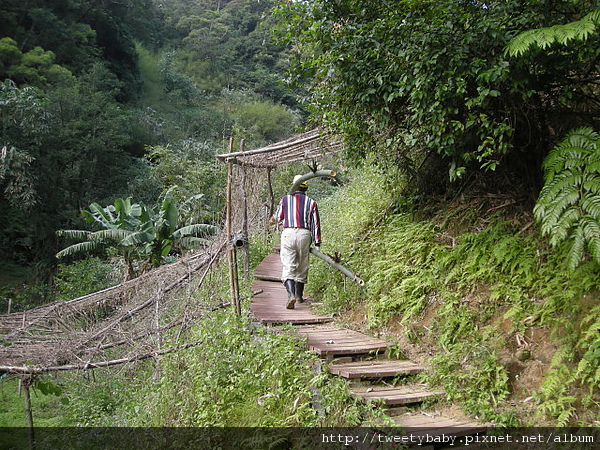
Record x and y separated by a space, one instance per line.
360 359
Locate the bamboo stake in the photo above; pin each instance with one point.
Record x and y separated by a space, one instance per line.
337 266
271 195
244 196
25 383
231 249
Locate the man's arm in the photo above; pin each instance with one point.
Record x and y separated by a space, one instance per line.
278 216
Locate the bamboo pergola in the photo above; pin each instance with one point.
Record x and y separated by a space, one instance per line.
127 322
84 333
246 170
313 145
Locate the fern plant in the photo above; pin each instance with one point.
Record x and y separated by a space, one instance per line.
569 204
579 30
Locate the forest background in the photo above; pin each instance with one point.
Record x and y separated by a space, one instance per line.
472 154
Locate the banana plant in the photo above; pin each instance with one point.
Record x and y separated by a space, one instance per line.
137 232
161 235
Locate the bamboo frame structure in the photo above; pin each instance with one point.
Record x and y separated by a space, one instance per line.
245 165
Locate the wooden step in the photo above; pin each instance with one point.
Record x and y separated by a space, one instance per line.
374 368
396 395
268 306
328 340
420 424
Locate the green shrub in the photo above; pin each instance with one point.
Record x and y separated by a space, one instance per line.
83 277
237 378
569 204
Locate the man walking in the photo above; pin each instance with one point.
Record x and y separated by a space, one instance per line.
299 216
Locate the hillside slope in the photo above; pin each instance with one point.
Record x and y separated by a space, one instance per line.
467 286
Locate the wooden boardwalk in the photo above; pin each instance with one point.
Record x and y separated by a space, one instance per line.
270 298
268 306
329 341
269 269
378 368
354 356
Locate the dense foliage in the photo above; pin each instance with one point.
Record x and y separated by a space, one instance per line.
101 101
473 285
104 102
407 78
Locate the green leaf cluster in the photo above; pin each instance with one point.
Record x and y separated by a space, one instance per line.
464 285
568 207
544 38
234 378
403 79
407 75
137 232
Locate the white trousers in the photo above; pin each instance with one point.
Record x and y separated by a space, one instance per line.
295 247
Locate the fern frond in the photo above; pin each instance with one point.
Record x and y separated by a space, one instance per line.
594 17
577 249
569 202
543 38
591 203
521 43
591 230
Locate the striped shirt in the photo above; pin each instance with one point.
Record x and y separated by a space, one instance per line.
298 210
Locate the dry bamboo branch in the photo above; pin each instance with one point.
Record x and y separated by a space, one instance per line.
114 362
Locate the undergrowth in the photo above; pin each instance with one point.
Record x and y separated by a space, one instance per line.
242 375
239 374
239 378
465 286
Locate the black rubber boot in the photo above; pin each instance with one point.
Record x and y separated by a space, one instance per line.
299 292
290 287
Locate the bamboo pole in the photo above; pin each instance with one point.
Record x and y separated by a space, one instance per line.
314 174
271 195
231 255
337 266
90 365
244 231
26 382
270 148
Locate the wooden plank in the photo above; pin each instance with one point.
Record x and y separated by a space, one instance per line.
325 340
399 395
422 425
375 369
268 306
269 269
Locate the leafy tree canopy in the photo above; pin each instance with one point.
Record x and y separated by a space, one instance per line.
79 33
431 76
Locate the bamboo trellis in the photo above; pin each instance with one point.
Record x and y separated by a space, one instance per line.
248 171
82 333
